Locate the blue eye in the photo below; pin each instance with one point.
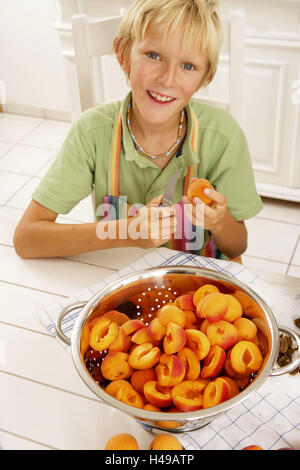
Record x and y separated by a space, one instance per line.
188 67
153 55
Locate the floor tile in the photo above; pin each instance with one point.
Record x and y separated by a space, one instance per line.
271 240
4 147
9 219
253 263
13 128
9 185
294 271
50 134
23 196
25 160
286 211
296 257
41 173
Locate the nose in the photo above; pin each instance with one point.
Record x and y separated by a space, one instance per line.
168 75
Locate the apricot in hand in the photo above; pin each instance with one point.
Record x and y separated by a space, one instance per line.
196 189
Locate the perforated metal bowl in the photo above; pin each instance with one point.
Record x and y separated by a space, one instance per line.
158 286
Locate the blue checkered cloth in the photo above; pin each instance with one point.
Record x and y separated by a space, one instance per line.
270 417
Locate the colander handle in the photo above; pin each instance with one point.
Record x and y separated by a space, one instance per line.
61 316
296 362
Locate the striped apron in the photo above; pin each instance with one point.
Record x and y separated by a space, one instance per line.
116 207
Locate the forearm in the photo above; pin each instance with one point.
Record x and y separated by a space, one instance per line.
230 236
46 239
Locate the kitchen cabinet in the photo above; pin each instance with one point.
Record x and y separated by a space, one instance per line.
271 103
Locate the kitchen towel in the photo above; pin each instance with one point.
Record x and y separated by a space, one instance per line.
269 417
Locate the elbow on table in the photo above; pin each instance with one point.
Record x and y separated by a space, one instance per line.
20 243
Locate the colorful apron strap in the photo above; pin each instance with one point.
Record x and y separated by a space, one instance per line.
192 170
114 162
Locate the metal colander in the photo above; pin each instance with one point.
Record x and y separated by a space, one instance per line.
139 296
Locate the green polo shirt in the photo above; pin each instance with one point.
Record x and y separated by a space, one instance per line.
81 165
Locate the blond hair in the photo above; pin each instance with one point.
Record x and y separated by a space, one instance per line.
199 17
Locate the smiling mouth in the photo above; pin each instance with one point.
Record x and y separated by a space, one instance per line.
160 98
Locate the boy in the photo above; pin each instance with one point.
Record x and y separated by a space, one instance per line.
168 49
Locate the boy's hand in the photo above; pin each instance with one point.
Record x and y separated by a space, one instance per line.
209 217
153 226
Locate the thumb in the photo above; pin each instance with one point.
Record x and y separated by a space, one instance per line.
156 201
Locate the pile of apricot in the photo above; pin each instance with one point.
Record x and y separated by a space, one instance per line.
198 351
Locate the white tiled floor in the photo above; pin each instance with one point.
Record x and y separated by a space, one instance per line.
29 145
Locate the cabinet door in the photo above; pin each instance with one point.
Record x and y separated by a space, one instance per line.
270 115
270 118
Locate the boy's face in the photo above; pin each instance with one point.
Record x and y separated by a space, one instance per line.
163 75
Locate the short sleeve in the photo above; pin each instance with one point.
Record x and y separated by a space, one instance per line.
233 176
71 176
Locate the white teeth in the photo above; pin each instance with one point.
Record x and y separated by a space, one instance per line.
159 97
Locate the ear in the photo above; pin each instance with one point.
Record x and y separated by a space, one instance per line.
122 59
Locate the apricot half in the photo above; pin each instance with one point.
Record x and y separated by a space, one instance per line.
222 333
140 377
215 392
165 442
122 442
170 371
175 338
191 363
144 356
213 307
103 333
198 342
171 313
157 395
246 329
213 362
115 366
185 302
203 291
245 357
187 396
234 310
196 189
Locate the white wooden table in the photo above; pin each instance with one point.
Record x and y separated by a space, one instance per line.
44 403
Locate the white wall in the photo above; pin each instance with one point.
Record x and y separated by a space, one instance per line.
30 57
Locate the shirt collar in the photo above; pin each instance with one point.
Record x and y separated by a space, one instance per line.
189 154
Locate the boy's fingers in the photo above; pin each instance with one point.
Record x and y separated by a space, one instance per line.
156 201
219 198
